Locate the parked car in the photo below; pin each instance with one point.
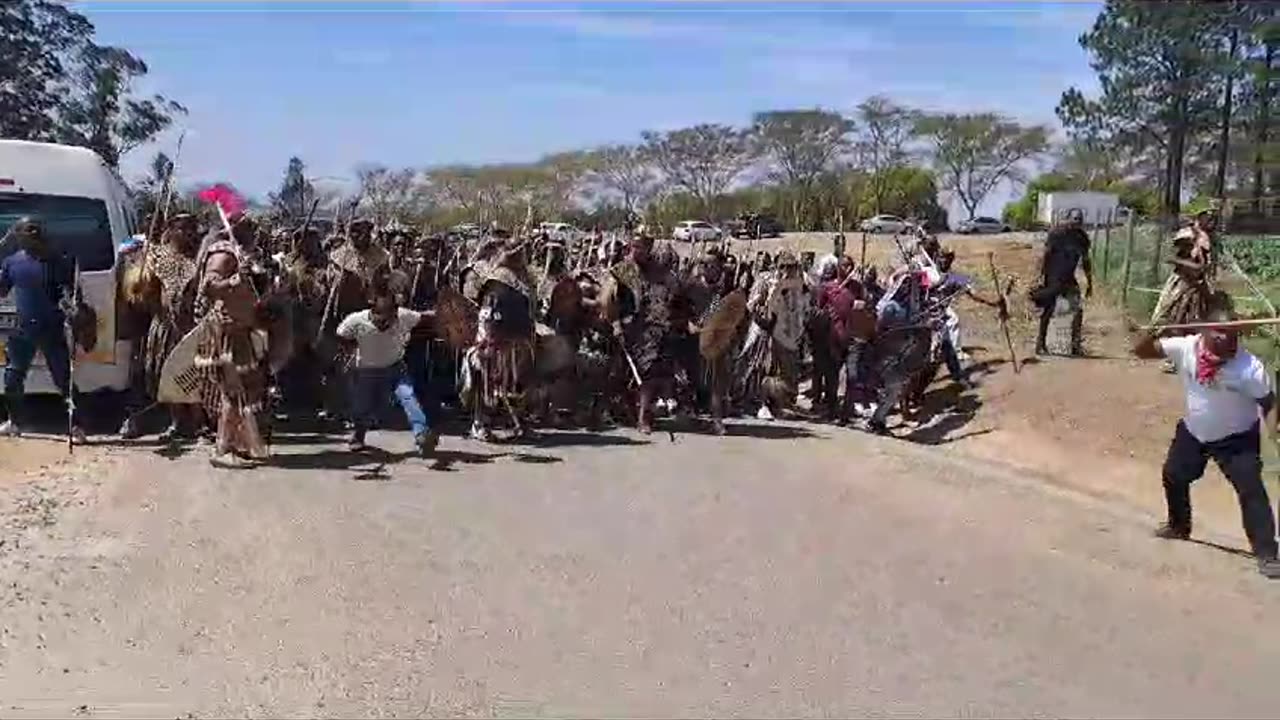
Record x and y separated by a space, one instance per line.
981 225
560 232
467 230
696 231
884 224
752 225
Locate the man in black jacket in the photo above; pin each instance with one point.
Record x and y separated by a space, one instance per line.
1066 248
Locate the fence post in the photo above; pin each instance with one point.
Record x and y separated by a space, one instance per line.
1153 277
1128 263
1106 250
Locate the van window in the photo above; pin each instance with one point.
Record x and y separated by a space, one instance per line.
76 227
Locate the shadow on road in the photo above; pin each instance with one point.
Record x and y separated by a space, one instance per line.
338 459
1222 548
536 459
302 438
766 432
553 439
444 460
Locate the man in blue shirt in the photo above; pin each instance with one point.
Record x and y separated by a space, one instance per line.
38 278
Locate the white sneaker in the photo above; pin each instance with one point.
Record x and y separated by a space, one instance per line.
764 413
78 437
481 433
10 429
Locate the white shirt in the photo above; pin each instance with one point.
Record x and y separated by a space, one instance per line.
1229 404
378 348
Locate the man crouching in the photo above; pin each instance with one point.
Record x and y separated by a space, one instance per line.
1227 393
380 335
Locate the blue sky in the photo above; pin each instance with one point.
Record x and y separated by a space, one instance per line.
423 83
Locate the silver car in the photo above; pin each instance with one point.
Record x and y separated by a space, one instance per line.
884 224
981 225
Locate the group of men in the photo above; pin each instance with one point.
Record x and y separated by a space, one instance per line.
523 331
530 331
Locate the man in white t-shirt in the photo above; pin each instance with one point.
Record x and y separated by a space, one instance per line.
380 335
1228 391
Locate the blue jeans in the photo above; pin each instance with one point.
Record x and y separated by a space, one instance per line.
369 390
952 359
20 348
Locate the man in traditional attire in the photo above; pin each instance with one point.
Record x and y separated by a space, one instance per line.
1189 289
167 288
645 290
711 376
779 307
306 279
594 350
498 368
564 319
231 359
353 265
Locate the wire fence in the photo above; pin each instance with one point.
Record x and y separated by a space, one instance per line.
1130 260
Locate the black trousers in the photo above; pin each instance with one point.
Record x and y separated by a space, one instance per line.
1240 459
826 377
1072 294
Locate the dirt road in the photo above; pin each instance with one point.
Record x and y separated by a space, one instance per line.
1000 566
784 570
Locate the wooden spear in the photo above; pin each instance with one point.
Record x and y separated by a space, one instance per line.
1253 322
1004 312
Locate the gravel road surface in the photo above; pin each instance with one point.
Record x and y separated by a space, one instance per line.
785 570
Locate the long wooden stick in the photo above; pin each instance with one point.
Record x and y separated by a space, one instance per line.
69 323
1004 322
1254 322
166 190
162 207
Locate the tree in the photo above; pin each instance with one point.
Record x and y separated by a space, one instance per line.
158 173
557 180
101 112
905 191
1157 64
972 154
293 200
800 145
56 84
387 194
1022 214
150 188
1235 24
456 186
886 128
35 38
703 160
624 171
1261 43
1089 164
